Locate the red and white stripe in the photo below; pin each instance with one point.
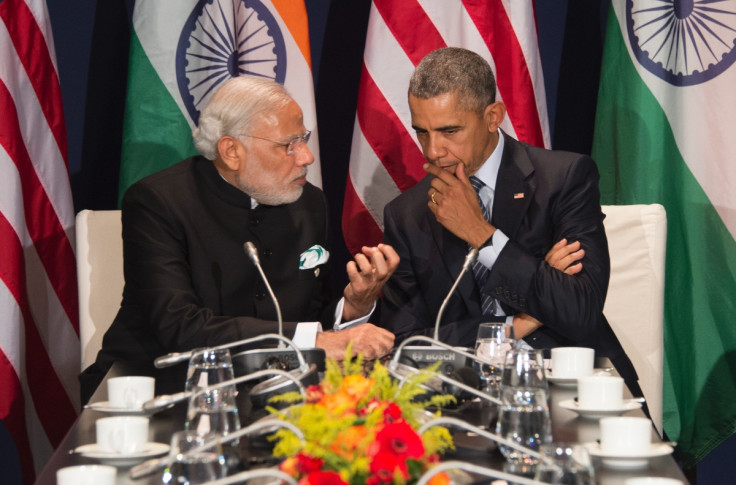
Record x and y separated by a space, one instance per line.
386 158
39 334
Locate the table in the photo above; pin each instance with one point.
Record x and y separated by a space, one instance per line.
566 426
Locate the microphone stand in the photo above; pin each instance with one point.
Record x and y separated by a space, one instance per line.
242 477
469 259
469 467
176 357
394 365
151 466
448 380
158 403
252 252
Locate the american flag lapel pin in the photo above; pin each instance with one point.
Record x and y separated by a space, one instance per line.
519 195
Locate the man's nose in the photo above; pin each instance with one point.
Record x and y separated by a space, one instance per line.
303 154
435 147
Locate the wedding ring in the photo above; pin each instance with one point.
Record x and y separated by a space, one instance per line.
432 197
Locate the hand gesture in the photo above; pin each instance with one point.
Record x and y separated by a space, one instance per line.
367 274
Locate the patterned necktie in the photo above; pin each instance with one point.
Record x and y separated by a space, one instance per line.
488 303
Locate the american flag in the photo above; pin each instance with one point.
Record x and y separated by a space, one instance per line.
39 331
386 158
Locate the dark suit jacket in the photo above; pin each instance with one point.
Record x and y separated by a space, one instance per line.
188 281
541 196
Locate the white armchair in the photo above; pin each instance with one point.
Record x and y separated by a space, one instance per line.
99 276
635 302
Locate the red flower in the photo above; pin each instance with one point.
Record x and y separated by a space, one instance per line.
400 439
306 464
322 478
392 413
314 394
385 464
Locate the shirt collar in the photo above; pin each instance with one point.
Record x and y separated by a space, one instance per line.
488 172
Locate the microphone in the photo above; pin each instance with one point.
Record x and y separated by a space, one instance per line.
242 477
151 466
450 358
469 467
160 402
448 421
394 365
176 357
252 252
469 259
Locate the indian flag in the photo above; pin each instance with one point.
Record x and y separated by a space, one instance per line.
665 133
181 51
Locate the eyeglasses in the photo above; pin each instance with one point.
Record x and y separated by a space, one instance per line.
290 145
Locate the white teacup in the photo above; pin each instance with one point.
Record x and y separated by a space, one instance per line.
129 392
626 436
122 434
87 475
600 392
572 362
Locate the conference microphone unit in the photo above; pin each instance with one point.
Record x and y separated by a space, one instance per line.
297 381
459 378
450 360
290 356
149 467
282 358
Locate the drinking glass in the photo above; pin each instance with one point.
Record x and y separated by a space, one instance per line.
207 367
565 464
213 411
188 467
524 368
493 353
524 419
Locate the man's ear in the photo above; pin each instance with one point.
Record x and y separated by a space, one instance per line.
231 152
494 115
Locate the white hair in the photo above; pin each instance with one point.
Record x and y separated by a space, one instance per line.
233 109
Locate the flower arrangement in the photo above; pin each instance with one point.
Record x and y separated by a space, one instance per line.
361 430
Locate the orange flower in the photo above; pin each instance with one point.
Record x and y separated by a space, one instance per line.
350 440
440 479
357 386
338 403
290 466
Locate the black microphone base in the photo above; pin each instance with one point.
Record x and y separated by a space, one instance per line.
249 361
424 356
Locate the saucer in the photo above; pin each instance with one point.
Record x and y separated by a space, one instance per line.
122 459
628 461
572 405
104 407
563 381
572 381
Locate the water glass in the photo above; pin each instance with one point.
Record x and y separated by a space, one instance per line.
493 353
524 419
189 467
524 368
207 367
565 464
213 411
494 330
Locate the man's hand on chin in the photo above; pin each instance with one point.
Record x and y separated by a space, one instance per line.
369 340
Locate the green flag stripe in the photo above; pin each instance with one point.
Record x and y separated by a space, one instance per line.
640 164
155 133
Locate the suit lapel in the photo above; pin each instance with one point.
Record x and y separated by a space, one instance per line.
514 188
